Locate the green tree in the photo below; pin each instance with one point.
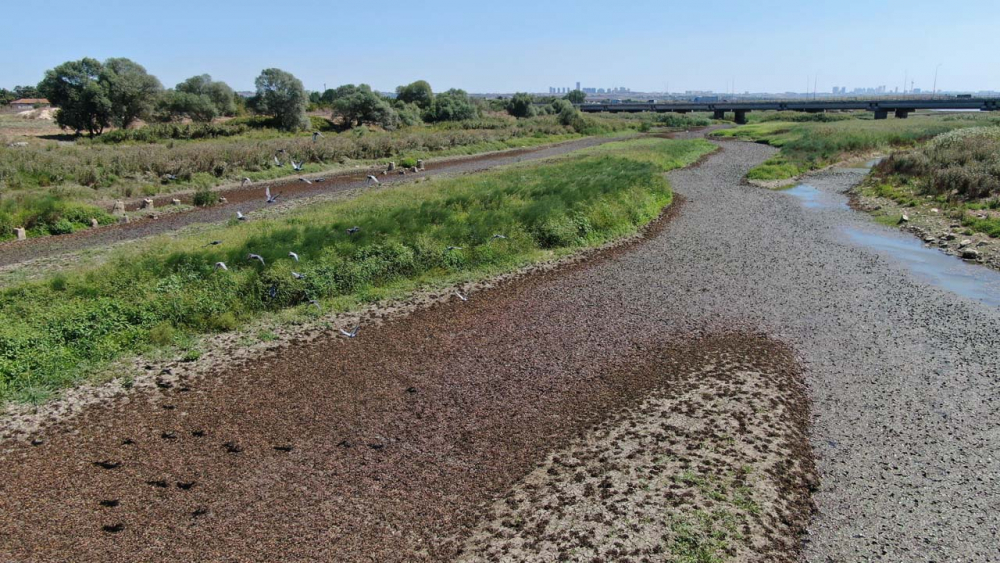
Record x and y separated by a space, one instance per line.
26 92
359 105
6 96
219 94
131 90
453 105
521 105
280 94
418 92
75 88
576 97
197 107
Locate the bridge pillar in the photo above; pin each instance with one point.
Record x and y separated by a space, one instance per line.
881 113
902 113
719 114
741 116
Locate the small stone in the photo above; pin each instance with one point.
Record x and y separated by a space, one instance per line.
175 201
935 210
929 239
21 233
147 204
904 218
950 236
964 243
124 219
223 200
420 164
119 208
392 166
94 224
414 169
970 254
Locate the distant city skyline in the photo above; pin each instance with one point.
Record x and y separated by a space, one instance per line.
647 46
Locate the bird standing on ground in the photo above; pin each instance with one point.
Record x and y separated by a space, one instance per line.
372 180
246 181
257 257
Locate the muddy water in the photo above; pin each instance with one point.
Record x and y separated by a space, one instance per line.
929 264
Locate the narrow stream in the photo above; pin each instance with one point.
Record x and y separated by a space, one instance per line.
929 264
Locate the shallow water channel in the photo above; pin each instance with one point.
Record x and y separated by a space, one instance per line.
929 264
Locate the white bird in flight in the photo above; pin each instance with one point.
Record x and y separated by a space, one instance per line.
498 236
294 256
240 216
277 162
270 198
304 180
372 180
297 167
351 334
256 257
450 248
221 266
298 276
316 134
462 297
246 181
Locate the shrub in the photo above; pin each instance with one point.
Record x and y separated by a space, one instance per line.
163 334
204 197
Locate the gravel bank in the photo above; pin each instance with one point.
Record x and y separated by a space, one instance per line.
400 436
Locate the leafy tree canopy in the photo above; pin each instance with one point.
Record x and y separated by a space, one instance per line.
418 92
282 95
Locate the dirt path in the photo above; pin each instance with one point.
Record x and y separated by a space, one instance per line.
403 440
251 198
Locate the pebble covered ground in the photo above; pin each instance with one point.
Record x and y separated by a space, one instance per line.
392 446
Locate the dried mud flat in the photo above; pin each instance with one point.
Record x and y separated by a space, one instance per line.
715 464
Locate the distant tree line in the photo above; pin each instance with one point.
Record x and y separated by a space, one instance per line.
91 96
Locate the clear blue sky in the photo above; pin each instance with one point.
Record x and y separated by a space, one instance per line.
516 45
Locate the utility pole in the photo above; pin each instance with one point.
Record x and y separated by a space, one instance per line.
935 78
906 78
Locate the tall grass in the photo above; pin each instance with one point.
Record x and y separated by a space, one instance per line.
59 330
808 146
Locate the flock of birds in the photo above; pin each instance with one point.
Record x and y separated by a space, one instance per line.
269 198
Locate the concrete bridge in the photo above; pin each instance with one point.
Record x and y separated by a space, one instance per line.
881 107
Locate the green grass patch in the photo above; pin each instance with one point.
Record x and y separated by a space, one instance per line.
55 334
808 146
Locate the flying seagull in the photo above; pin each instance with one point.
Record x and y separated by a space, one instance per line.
171 177
498 236
294 256
462 297
214 243
298 276
240 216
304 180
316 303
353 230
450 248
270 198
297 167
272 291
246 181
221 266
372 180
351 334
256 257
316 134
319 180
277 162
